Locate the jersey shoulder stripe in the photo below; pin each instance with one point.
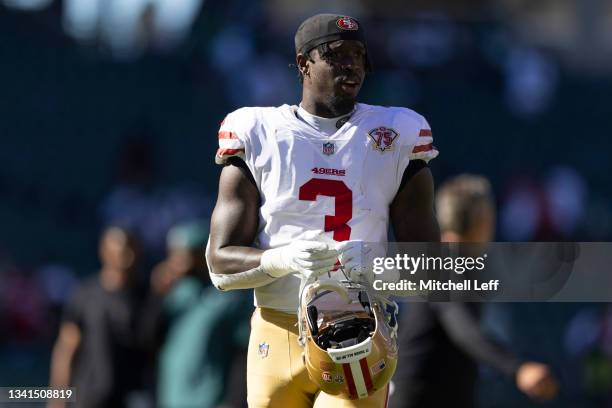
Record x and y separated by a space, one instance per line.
237 130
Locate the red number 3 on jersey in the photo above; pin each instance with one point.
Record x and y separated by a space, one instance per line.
343 204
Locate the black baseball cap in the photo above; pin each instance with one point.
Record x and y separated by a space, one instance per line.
324 28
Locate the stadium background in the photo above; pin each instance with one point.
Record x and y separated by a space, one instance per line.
109 111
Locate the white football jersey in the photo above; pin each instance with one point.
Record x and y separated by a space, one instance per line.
317 187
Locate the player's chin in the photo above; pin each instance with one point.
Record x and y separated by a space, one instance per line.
346 93
344 90
343 102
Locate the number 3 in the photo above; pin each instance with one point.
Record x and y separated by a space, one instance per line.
343 203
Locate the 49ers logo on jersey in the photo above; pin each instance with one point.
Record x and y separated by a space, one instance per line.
383 138
329 172
347 23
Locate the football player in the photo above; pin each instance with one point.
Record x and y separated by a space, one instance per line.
296 181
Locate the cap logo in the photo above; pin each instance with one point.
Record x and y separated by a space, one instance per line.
347 23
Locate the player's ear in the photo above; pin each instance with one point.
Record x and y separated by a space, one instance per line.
303 66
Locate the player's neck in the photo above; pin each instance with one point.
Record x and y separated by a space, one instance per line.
324 126
326 109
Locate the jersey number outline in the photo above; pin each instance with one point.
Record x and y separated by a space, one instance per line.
343 196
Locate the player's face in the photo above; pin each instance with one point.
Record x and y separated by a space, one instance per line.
340 72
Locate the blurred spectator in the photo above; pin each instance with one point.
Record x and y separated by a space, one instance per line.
442 342
96 350
198 334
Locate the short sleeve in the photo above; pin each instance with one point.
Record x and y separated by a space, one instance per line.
231 139
423 148
416 143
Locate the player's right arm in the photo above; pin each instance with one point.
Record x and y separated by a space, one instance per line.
233 262
234 223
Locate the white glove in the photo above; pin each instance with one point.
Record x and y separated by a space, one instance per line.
306 258
356 257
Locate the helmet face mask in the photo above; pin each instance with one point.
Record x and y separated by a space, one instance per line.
335 324
349 350
345 332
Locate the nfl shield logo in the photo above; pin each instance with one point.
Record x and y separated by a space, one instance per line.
263 349
328 148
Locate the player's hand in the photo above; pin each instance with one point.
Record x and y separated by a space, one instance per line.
537 381
307 258
356 257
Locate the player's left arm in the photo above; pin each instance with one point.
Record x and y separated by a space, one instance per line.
412 210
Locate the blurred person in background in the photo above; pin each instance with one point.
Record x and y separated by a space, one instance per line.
197 335
97 350
442 342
